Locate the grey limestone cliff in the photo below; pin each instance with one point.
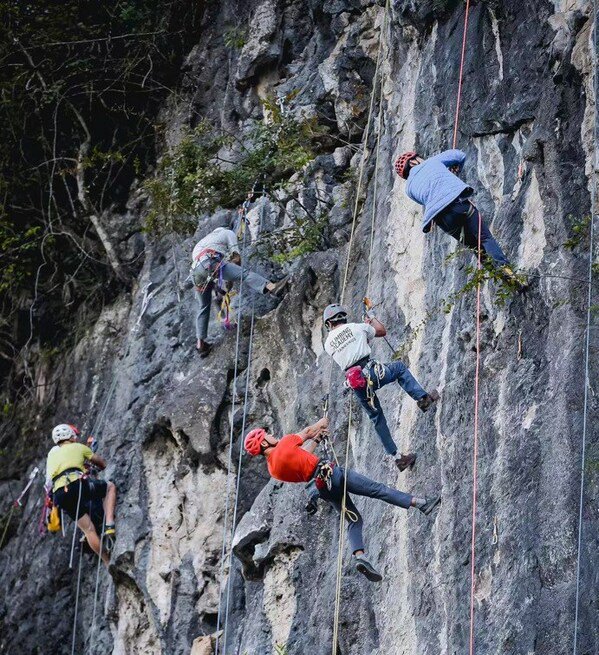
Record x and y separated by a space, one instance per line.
164 416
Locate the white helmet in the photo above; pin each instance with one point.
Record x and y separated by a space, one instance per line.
63 432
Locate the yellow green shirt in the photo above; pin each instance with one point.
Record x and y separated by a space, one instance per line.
70 456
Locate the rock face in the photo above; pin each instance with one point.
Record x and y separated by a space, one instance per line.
166 419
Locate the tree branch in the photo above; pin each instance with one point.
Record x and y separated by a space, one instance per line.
88 207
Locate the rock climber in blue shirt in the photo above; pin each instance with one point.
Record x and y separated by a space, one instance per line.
434 183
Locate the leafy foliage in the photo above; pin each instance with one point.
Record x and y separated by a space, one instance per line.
235 38
211 169
580 228
306 235
81 84
505 288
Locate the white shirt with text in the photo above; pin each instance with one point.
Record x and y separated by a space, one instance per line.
348 343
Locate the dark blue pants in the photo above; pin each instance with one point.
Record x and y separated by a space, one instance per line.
461 216
393 372
362 486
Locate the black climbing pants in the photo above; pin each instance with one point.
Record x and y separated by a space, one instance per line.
461 217
67 497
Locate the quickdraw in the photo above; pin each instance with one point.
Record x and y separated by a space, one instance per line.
358 378
225 313
372 370
328 448
323 476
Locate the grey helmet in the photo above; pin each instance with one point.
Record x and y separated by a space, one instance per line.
334 311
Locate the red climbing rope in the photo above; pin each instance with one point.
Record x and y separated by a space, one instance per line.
463 59
477 366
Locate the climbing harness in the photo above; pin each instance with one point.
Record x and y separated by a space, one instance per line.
207 269
366 376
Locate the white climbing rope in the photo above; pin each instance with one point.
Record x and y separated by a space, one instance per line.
231 440
97 423
75 531
98 566
242 432
74 638
341 544
587 382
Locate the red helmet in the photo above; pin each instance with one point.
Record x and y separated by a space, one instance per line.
401 163
253 441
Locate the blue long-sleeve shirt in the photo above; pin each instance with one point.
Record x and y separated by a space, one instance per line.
434 186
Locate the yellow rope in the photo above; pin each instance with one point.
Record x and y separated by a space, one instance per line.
341 545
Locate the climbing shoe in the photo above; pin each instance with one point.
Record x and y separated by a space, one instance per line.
513 280
428 400
430 505
280 287
405 462
204 349
366 568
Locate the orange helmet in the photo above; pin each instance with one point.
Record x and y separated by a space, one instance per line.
253 441
401 163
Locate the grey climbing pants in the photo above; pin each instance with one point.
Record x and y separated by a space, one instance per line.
362 486
231 273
